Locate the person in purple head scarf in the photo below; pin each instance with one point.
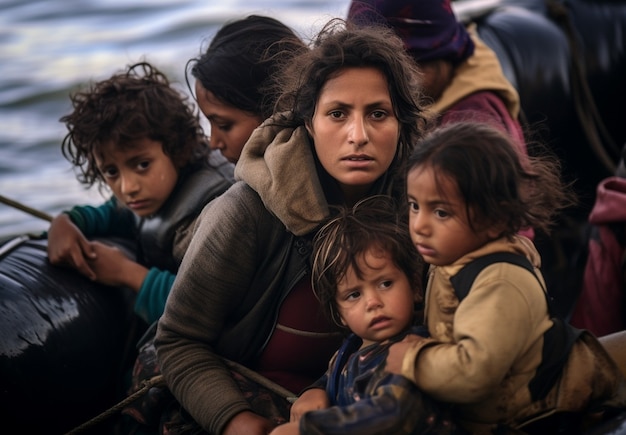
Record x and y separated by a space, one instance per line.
462 76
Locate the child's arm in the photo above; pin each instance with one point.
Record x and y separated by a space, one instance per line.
111 266
152 285
316 396
397 352
155 288
108 219
68 243
310 400
503 316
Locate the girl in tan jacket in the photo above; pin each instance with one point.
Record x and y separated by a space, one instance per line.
495 351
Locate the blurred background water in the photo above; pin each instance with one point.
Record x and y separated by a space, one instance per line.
48 48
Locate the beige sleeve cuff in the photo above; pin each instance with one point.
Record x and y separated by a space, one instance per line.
409 363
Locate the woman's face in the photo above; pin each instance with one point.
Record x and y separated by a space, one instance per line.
354 129
230 127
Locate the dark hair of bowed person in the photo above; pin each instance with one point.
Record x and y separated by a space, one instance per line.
498 186
136 104
372 223
341 45
242 58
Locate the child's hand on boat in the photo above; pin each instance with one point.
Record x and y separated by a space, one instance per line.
112 267
67 246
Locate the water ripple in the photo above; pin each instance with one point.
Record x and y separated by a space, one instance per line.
50 48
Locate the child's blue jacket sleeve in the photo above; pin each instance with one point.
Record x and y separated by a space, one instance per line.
107 219
396 407
153 293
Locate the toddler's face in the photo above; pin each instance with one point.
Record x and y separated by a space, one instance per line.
379 304
141 176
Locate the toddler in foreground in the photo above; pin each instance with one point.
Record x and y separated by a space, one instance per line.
366 274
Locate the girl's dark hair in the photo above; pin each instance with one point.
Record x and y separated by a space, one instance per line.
499 186
341 45
374 222
244 55
136 104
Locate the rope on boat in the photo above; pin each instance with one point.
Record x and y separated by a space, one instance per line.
154 381
261 380
25 208
158 381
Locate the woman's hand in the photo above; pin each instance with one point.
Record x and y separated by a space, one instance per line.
286 429
310 400
248 423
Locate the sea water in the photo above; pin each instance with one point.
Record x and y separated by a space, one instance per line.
49 48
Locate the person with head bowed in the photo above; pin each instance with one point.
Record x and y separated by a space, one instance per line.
346 118
234 89
462 76
234 78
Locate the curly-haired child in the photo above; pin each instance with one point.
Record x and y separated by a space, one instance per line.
139 136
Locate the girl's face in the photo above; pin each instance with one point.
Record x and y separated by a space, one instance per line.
354 129
230 127
437 218
141 177
379 305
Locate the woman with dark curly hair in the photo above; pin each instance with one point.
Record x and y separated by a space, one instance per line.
136 135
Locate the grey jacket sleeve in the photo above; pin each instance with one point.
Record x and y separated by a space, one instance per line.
211 283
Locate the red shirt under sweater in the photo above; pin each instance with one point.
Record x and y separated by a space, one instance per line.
302 343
